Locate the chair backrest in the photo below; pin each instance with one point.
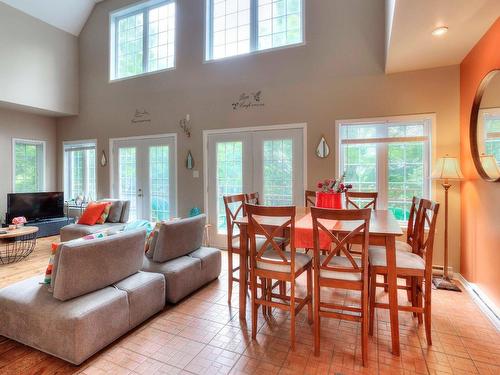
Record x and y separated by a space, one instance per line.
359 220
370 196
278 219
252 198
234 205
412 221
310 198
426 216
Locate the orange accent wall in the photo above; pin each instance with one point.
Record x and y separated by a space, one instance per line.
480 200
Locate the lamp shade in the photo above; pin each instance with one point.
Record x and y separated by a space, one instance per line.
490 166
447 168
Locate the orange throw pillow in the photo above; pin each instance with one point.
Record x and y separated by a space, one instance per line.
92 213
104 216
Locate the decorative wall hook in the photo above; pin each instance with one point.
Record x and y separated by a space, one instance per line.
184 125
189 161
104 159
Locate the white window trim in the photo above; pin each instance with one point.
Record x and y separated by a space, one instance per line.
65 166
208 52
44 160
381 177
116 15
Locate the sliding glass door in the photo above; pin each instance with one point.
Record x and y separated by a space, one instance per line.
269 162
144 174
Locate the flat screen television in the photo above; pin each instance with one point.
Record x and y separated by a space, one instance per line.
35 206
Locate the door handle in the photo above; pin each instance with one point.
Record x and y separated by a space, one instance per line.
139 193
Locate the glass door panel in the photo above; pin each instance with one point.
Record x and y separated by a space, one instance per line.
127 178
278 172
159 176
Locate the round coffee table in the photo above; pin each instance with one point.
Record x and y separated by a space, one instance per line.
17 244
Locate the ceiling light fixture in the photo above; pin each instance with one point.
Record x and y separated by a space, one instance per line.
440 31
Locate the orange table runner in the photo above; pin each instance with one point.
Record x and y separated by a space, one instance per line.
304 233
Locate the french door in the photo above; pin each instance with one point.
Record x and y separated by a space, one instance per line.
144 173
270 162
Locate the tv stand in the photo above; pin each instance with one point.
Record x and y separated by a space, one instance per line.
50 227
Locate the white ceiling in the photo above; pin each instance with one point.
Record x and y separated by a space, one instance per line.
410 43
67 15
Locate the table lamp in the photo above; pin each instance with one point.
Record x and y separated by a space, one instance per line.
447 169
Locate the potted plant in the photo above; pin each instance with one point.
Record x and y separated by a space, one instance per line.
331 193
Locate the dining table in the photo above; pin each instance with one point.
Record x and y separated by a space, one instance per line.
384 228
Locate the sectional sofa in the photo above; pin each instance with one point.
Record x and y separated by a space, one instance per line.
102 288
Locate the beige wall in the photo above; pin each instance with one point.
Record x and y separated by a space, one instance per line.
14 124
338 74
38 64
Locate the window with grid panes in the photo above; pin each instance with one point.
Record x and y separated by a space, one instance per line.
236 27
142 39
391 156
29 166
80 169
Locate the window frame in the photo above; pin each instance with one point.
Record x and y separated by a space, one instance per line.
66 180
42 175
208 53
128 11
382 154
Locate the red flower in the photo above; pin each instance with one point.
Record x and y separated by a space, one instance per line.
320 185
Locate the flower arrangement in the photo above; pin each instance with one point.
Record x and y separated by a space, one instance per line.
20 220
332 185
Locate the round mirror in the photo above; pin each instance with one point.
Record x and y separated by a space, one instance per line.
323 150
485 127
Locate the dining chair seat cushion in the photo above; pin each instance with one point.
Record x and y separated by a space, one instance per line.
403 246
339 261
259 241
301 260
404 259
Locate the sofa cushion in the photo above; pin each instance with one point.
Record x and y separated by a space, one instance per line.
182 275
210 262
115 211
73 330
179 237
86 266
146 295
92 213
74 231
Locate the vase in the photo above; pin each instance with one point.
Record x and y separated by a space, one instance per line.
329 200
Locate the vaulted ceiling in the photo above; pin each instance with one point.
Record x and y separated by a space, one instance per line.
67 15
410 44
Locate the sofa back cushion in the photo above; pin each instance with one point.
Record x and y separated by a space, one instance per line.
179 237
119 210
82 267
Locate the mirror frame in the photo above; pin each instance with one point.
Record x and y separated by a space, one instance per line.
473 125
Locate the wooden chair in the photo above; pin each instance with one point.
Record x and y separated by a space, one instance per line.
416 265
270 262
252 198
234 205
343 272
310 198
371 196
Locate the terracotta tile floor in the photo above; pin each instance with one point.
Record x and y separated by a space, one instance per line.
203 335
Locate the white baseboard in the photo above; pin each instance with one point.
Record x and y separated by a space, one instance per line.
485 304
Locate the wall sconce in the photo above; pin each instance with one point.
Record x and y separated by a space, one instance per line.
104 159
184 125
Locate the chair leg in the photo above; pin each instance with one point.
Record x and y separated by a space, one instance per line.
269 287
263 293
317 322
373 290
229 276
419 298
292 315
364 324
282 287
386 286
408 282
309 295
414 293
427 311
255 307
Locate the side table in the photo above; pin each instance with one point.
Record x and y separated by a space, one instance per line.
17 244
